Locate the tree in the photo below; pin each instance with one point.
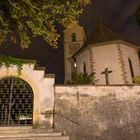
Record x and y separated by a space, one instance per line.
138 15
21 18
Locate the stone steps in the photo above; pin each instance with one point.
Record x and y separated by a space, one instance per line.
37 138
23 129
27 133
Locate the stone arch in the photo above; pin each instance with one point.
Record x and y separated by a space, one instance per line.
43 90
17 101
34 87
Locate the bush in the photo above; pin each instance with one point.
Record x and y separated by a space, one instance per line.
82 78
136 79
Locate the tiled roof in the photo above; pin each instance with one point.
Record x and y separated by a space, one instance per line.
103 33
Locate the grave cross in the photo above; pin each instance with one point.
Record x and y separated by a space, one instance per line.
106 72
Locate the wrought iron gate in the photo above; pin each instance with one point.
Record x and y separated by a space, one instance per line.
16 102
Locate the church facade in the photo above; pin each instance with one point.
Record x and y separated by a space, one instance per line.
112 60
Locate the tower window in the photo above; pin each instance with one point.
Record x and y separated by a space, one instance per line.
73 37
131 68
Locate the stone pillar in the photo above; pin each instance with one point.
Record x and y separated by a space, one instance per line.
46 103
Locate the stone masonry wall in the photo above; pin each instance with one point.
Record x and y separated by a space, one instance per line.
98 112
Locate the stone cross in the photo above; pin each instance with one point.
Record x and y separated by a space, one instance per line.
106 72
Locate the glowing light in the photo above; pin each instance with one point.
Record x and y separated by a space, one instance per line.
75 65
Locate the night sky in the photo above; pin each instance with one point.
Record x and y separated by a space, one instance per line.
117 14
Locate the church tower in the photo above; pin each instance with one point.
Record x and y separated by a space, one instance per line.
74 39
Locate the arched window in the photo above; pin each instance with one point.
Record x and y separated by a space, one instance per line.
131 67
73 37
84 68
75 64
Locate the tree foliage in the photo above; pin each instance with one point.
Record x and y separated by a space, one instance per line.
136 79
20 18
8 62
138 15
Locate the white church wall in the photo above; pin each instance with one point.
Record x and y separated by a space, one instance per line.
107 56
131 53
81 59
43 90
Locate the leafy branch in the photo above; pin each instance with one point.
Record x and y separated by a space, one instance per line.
39 18
8 62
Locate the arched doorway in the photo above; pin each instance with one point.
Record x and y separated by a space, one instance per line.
16 102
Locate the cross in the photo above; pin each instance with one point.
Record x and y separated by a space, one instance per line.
106 72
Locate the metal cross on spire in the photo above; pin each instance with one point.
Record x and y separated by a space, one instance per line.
106 72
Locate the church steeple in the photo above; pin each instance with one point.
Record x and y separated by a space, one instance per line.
74 39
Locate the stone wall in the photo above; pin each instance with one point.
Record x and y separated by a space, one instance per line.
98 112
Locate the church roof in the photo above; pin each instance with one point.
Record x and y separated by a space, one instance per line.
103 33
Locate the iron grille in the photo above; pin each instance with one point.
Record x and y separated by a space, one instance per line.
16 102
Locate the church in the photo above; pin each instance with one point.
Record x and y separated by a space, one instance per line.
33 107
113 60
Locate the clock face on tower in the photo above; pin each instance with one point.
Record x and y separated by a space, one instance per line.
73 48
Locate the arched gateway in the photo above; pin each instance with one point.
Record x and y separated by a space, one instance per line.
16 102
26 99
